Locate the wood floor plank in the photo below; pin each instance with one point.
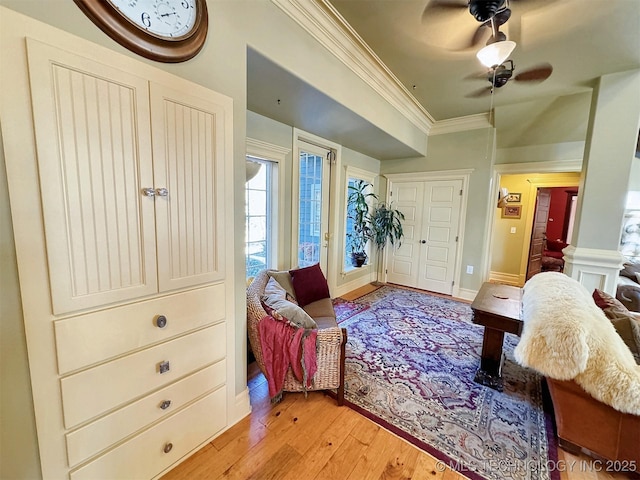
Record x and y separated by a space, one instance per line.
278 465
366 431
426 468
247 433
317 455
402 462
314 430
282 429
344 460
376 457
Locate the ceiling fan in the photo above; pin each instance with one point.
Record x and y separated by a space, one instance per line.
448 24
499 75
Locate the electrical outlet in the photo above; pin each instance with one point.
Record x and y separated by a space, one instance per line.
513 229
469 269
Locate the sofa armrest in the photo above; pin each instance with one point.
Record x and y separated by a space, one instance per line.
629 295
585 422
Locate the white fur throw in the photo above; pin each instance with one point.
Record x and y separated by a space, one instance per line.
566 336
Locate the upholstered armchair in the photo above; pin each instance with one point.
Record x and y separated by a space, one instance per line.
330 344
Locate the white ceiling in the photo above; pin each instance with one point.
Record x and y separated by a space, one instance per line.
581 39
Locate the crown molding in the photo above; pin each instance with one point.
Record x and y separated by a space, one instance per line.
323 22
268 151
461 124
552 166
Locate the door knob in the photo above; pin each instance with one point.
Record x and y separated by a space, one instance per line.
148 192
423 241
162 192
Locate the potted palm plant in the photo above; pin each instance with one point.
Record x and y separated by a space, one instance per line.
358 220
386 227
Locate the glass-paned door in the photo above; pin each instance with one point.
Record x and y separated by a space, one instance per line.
313 205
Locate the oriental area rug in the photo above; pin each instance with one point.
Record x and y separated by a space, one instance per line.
410 362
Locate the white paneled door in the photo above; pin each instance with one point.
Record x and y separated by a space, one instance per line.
427 257
439 237
402 264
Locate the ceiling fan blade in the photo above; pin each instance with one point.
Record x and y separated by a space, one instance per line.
432 4
482 92
447 26
477 76
539 73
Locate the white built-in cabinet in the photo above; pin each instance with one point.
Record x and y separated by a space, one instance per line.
130 173
127 323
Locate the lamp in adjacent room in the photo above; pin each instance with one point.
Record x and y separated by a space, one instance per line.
252 169
495 53
503 193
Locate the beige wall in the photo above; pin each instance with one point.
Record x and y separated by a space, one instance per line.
510 251
18 454
461 150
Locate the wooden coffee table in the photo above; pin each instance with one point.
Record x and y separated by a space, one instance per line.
499 309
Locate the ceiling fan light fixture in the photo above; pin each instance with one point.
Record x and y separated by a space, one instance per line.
495 53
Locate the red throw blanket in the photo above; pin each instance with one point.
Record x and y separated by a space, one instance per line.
285 346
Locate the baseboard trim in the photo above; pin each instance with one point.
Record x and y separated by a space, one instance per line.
466 294
361 281
241 407
505 278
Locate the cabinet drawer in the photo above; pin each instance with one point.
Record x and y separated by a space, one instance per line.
99 435
144 455
105 387
94 337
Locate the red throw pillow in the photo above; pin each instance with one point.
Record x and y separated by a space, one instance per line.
556 245
606 301
309 284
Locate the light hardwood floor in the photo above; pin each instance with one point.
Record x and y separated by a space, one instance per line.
312 438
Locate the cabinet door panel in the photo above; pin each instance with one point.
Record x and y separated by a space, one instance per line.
189 152
94 154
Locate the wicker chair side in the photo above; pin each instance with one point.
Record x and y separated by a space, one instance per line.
255 313
328 359
328 343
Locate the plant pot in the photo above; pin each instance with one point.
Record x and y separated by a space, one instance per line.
358 259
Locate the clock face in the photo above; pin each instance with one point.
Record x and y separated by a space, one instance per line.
163 18
162 30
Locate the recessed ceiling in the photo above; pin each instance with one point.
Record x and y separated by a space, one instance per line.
278 94
581 39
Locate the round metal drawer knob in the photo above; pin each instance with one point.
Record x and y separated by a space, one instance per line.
161 321
168 447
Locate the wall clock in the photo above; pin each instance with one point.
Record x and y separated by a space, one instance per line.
163 30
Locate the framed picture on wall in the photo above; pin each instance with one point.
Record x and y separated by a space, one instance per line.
514 198
512 211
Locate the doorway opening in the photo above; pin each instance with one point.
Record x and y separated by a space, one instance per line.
510 246
552 228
